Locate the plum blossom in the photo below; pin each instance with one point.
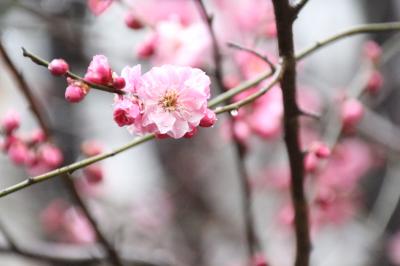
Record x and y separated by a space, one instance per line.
174 100
99 71
99 6
58 67
174 43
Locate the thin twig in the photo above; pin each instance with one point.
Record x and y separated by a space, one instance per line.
41 62
284 22
366 28
254 52
217 56
34 104
113 256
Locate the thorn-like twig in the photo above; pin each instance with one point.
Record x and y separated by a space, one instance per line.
254 52
299 6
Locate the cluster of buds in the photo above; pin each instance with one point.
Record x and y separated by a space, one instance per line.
373 53
34 152
316 151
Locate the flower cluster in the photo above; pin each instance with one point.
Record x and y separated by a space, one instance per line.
32 151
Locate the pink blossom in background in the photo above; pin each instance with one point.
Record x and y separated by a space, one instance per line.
372 51
152 12
51 155
91 148
181 45
51 217
99 6
352 111
76 227
10 122
375 82
18 153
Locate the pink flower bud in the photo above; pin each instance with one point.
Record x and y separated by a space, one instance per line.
91 148
375 82
259 260
352 112
125 112
93 173
99 71
37 136
119 83
18 153
58 67
320 149
51 155
10 122
310 162
191 133
75 92
132 21
271 30
372 50
146 49
209 119
162 136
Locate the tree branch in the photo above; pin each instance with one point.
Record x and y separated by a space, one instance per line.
41 62
284 22
34 104
299 6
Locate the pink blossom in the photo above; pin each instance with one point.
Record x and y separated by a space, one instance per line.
10 121
372 50
126 111
118 82
132 21
147 48
37 136
58 67
191 133
132 78
77 228
52 216
320 149
91 148
76 91
99 71
99 6
50 155
209 119
352 112
18 153
174 100
259 260
181 45
93 173
375 82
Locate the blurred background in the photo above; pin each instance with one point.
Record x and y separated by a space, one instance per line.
180 202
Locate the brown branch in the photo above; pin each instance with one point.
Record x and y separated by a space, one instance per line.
23 86
252 242
254 52
299 6
284 21
112 253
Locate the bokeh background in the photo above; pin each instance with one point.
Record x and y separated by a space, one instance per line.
180 201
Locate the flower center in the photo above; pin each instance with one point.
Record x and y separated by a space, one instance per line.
169 101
